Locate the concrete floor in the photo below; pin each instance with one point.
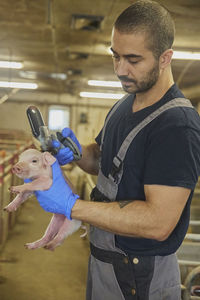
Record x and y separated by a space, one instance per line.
41 274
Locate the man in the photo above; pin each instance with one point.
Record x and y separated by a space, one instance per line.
140 209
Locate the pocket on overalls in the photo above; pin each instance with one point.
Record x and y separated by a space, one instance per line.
104 283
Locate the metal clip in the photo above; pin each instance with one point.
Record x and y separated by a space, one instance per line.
116 168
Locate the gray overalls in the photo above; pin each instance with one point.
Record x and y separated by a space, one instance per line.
112 274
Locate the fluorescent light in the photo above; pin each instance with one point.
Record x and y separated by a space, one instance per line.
10 64
104 83
18 85
101 95
186 55
33 75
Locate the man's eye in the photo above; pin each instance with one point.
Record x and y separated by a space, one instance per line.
133 62
116 57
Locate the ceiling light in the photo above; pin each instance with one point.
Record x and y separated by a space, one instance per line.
101 95
186 55
104 83
42 75
86 22
18 85
10 64
59 76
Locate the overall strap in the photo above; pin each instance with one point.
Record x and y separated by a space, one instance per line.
109 116
119 158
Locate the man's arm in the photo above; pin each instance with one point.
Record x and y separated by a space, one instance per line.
154 218
90 159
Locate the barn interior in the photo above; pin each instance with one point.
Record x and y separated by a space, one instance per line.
51 54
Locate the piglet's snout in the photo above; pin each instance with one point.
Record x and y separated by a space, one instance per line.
18 169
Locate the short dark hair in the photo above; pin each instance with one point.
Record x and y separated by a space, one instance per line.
151 18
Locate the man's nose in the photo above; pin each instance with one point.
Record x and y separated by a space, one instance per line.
122 68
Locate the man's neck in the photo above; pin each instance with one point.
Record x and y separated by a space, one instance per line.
143 100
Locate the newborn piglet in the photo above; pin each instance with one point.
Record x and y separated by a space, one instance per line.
36 166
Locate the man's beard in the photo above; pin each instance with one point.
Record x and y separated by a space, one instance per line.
145 84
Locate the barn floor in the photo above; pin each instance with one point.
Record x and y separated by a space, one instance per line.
41 274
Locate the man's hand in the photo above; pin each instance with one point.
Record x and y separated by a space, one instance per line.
65 155
59 198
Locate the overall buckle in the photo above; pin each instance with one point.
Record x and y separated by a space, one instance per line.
116 168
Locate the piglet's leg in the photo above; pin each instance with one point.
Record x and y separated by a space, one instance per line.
18 200
51 231
67 228
42 183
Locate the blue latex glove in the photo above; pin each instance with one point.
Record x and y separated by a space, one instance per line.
65 155
59 198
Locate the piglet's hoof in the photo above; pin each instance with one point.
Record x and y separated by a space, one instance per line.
29 246
14 189
10 208
51 246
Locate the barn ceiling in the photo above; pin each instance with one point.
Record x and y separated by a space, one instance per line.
64 43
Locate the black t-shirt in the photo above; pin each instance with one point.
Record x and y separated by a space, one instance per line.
165 152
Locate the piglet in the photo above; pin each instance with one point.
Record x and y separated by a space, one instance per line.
37 166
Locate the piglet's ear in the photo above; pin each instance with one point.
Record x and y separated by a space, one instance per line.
48 159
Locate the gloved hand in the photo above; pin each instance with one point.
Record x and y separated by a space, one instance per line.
65 155
59 198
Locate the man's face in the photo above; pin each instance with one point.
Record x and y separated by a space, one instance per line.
134 64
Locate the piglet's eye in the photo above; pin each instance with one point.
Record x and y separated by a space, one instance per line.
34 160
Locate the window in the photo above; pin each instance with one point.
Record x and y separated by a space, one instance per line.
59 117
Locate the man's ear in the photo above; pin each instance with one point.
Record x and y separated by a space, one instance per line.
166 58
48 159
